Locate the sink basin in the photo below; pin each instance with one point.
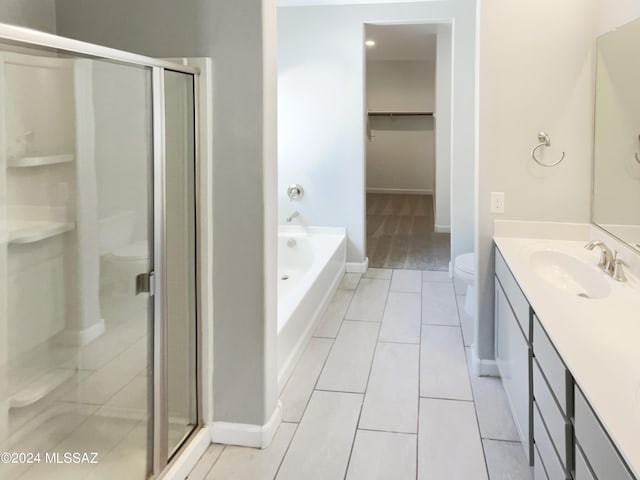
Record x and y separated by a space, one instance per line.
569 274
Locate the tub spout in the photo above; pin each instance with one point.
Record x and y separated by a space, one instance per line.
292 216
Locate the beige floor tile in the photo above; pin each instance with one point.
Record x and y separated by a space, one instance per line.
347 367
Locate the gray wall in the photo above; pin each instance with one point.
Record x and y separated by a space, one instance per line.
231 32
37 14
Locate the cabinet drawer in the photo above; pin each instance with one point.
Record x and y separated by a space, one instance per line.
538 468
582 471
516 298
598 449
549 458
551 364
558 427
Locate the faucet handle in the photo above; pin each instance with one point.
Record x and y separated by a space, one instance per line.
618 268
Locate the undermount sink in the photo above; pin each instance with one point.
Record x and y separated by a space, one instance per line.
569 274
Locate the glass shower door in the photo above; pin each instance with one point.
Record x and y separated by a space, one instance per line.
75 174
180 263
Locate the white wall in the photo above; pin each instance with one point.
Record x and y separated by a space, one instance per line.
401 85
321 112
36 14
239 35
400 155
536 73
611 15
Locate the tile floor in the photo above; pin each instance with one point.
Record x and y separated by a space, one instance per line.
101 408
383 392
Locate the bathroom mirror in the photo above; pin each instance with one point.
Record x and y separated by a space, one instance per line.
616 168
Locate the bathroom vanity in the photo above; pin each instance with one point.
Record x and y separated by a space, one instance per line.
566 348
567 319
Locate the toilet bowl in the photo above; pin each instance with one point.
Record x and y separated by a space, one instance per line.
122 256
464 274
123 265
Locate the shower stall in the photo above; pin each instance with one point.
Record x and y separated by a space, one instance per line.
98 275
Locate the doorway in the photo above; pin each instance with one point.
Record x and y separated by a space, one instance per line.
407 162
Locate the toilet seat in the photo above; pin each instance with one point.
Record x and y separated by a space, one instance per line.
134 251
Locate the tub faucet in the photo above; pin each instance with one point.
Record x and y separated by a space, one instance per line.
606 262
292 216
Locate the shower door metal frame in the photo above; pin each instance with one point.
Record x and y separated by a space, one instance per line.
158 441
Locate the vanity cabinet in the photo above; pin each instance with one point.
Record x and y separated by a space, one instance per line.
552 405
596 457
513 349
561 435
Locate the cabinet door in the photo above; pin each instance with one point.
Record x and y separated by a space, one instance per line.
513 360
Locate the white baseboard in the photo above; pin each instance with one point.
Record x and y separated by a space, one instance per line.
401 191
247 435
187 460
78 338
357 267
442 228
484 368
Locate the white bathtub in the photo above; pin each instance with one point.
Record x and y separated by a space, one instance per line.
311 262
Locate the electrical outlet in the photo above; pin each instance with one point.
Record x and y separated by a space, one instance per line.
497 202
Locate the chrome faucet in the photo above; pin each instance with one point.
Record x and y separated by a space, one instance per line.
292 216
606 262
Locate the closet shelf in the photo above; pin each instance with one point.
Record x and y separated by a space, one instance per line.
23 232
378 113
39 160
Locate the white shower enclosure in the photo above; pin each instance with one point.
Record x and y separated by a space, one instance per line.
98 277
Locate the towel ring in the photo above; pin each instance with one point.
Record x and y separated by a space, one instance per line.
545 141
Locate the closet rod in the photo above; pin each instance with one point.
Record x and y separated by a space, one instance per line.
399 114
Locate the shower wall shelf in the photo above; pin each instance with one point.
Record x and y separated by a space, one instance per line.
23 232
40 160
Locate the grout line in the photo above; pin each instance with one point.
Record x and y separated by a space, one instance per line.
357 320
447 399
337 391
515 442
440 325
386 431
398 343
364 397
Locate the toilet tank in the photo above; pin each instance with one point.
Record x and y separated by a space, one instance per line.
116 231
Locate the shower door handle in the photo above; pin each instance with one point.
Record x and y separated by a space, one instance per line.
145 283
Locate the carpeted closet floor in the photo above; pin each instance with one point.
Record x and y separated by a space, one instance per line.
400 233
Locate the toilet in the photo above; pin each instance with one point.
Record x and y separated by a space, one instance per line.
122 257
464 273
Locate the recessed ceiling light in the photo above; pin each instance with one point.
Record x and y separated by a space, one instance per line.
369 43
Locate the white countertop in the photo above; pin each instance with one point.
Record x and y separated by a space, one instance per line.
598 339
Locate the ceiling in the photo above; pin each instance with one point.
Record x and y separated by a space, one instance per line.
402 42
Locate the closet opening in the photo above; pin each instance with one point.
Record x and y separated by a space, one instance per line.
408 145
